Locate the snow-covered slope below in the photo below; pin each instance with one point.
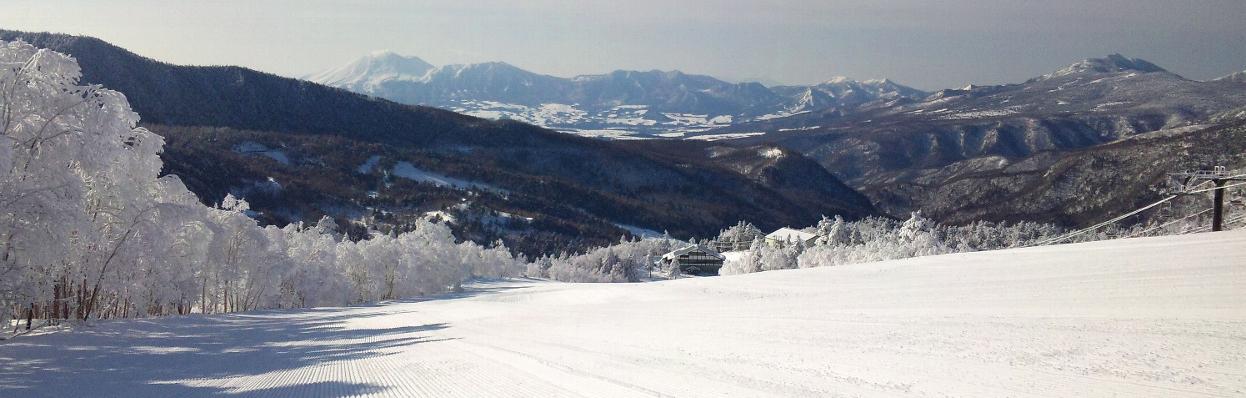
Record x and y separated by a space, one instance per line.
1144 317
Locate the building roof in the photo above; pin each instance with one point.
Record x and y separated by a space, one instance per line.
682 251
786 234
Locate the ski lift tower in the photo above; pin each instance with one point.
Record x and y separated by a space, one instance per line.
1218 176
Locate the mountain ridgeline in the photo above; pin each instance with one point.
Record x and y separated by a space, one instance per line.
634 103
959 155
299 150
994 152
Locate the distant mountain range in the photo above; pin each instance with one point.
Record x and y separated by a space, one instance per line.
620 104
973 153
946 153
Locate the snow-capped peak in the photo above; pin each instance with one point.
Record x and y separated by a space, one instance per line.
838 80
374 68
883 84
1111 64
846 89
384 54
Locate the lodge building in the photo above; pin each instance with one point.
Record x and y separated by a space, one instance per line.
694 260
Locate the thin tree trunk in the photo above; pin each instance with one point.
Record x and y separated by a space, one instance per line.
56 301
203 295
104 269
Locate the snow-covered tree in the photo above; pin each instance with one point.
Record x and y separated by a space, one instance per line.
88 228
832 231
740 235
624 262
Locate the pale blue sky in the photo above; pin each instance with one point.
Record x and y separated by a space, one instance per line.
925 43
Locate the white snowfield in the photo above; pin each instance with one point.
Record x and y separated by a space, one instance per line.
1160 317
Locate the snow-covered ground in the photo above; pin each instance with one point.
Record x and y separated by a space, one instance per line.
627 122
1156 317
410 172
255 148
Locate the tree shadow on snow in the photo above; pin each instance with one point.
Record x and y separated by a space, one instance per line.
165 357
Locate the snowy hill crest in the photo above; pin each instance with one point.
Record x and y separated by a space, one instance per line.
1114 63
1238 77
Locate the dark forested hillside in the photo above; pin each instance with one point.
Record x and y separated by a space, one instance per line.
236 97
1078 187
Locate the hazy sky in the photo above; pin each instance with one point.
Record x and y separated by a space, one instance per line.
929 44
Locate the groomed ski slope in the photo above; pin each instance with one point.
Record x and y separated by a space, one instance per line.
1159 317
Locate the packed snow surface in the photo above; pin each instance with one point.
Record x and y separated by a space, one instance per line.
725 136
1157 317
410 172
369 164
639 231
617 122
255 148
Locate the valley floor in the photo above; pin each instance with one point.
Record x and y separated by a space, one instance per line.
1143 317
